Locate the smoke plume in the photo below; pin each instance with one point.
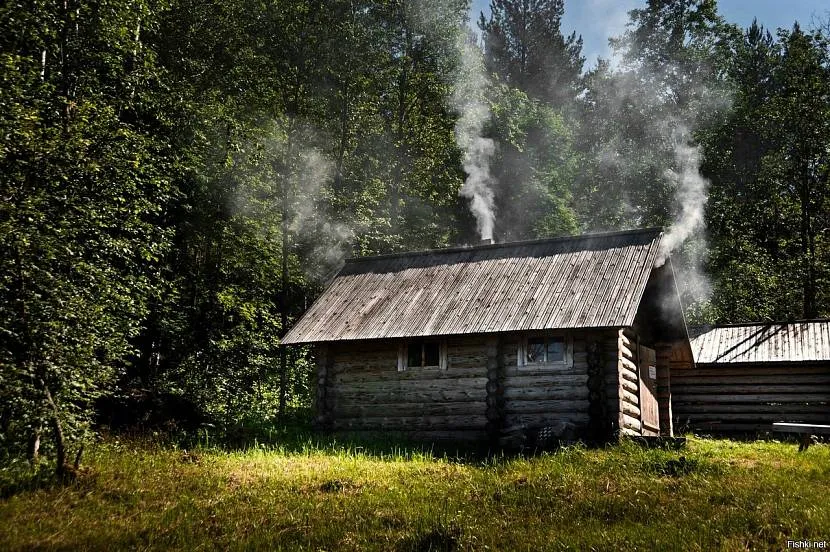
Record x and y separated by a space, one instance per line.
326 239
691 194
440 20
305 174
468 100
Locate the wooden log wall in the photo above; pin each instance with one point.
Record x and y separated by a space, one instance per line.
546 396
496 400
599 427
731 398
324 367
482 394
615 389
628 383
366 391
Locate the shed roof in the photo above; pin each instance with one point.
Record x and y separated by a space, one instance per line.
803 341
588 281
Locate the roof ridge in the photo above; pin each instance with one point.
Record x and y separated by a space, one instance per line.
585 281
504 245
773 323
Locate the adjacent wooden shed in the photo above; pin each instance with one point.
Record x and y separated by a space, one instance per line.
748 376
567 337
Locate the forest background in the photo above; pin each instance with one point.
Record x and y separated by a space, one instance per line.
180 179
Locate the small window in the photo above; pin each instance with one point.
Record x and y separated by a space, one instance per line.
541 350
535 350
431 354
414 354
555 350
422 353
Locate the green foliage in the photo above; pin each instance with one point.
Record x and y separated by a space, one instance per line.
180 179
84 184
535 165
536 71
769 162
312 130
668 85
525 48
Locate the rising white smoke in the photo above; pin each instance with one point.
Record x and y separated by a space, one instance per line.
328 238
691 194
312 169
468 99
258 194
438 19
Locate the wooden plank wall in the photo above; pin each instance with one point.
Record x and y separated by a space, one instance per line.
366 391
748 398
665 393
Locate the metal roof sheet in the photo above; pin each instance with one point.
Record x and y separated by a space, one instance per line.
589 281
803 341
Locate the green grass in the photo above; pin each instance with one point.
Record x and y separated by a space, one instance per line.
722 495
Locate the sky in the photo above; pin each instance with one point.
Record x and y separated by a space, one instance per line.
596 20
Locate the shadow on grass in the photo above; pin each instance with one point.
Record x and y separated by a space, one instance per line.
19 477
298 436
441 537
379 445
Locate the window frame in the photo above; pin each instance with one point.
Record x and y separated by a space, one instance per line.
567 351
403 354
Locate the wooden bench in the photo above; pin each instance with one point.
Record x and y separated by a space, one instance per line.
805 431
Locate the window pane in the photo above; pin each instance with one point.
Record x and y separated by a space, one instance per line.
413 354
431 354
535 349
556 349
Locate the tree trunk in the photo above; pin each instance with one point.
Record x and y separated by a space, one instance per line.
57 429
400 133
284 303
65 86
33 448
344 136
345 90
283 298
807 249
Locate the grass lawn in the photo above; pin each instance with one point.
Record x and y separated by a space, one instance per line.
721 495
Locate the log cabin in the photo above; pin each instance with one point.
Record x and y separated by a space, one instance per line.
748 376
564 338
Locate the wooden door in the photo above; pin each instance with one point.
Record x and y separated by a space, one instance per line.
649 411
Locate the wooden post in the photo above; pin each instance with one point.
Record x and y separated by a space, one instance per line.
322 400
495 389
664 388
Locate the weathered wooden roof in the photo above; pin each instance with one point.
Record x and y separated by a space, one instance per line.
585 281
578 282
805 341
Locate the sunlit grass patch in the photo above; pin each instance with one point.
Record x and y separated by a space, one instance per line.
714 494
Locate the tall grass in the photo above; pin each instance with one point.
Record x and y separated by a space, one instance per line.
313 494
